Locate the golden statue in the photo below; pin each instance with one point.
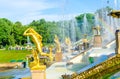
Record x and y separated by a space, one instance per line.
58 47
85 38
51 57
97 29
67 41
115 14
36 65
37 39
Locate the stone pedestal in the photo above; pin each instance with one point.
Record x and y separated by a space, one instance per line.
58 57
97 41
38 74
117 34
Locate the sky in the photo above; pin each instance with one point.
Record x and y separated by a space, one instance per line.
26 11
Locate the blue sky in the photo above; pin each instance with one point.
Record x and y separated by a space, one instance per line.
27 10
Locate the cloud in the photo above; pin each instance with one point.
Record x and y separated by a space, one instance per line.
26 11
20 9
48 17
26 5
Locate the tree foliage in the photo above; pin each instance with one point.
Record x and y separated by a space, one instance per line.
46 29
12 33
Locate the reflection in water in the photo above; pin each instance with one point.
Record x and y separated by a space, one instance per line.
16 73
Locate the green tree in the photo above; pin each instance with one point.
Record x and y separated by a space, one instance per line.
18 30
6 37
46 29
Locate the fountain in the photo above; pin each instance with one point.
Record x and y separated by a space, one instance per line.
68 34
107 24
96 21
85 25
72 34
68 29
28 41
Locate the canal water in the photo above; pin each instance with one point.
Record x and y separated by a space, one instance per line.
16 73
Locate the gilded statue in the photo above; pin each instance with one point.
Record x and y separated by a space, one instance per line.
37 39
36 65
97 29
68 43
85 38
58 47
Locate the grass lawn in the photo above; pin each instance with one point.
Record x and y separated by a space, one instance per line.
13 55
6 77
